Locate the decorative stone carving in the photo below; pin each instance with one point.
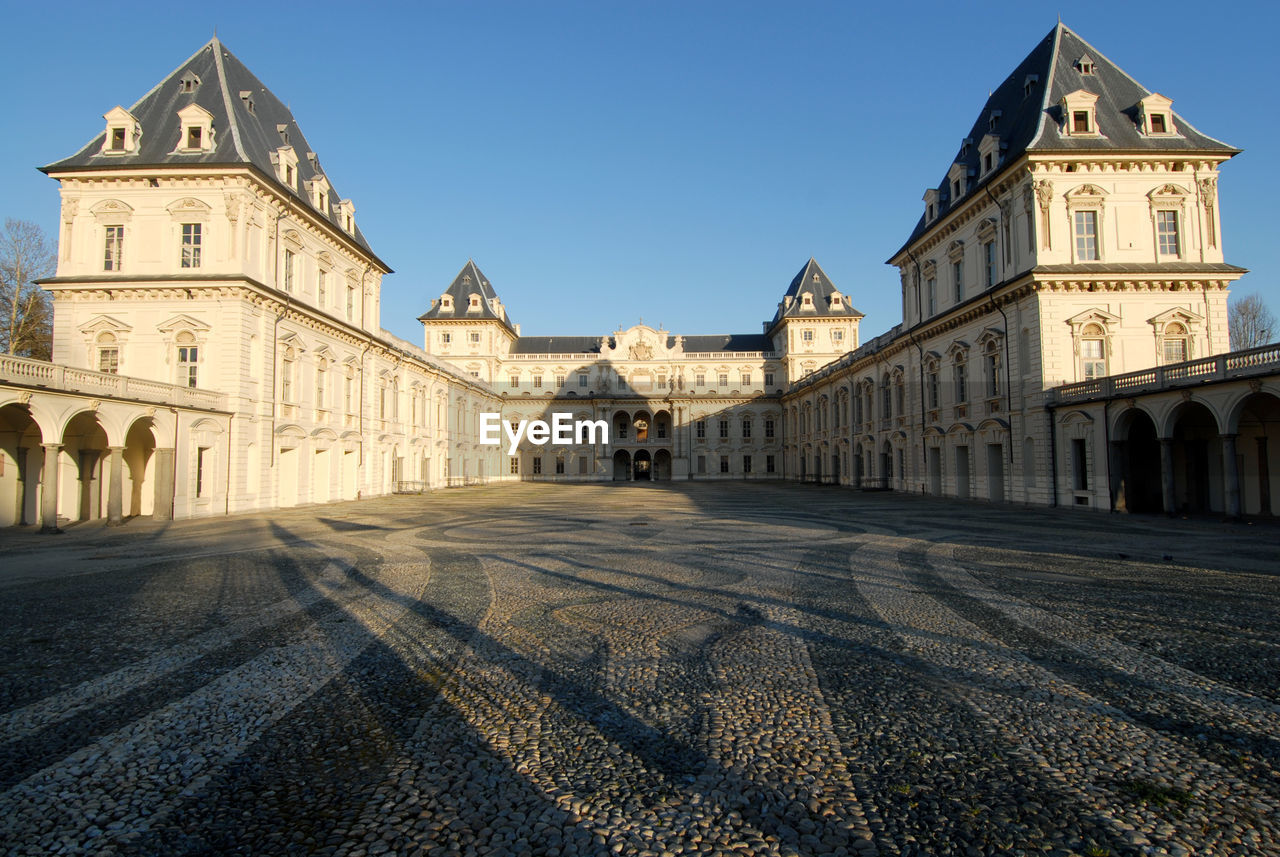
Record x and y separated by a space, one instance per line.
642 350
1044 193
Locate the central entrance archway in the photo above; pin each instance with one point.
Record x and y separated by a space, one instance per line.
642 466
662 465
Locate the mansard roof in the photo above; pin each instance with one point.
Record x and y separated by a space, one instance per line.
1025 113
814 280
728 342
557 345
250 124
470 281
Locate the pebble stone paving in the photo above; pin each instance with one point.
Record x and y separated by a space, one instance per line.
734 669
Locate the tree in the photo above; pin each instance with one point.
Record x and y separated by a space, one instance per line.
26 310
1250 323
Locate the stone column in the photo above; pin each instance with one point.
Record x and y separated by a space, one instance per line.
49 485
115 490
21 477
1231 475
164 485
1118 503
1166 474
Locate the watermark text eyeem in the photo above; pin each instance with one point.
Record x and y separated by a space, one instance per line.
562 430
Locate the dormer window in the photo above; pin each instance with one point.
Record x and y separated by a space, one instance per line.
189 82
1029 85
196 134
286 161
473 303
319 191
957 175
1080 114
930 204
246 98
806 301
122 134
283 131
347 215
1085 64
446 303
1155 116
990 149
993 119
837 302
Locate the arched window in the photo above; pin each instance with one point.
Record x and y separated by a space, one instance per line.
1093 352
188 358
1175 343
288 365
108 353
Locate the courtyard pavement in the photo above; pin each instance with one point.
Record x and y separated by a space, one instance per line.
742 668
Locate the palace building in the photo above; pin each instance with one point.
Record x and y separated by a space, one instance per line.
218 346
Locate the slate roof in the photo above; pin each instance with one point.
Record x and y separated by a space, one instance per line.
556 345
814 280
1028 119
728 342
468 282
241 136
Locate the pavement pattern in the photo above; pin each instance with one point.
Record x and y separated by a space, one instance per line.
732 669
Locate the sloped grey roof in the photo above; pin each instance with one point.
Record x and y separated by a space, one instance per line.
1029 118
556 345
468 282
241 137
728 342
814 280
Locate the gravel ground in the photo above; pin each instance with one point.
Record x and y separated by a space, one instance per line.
732 669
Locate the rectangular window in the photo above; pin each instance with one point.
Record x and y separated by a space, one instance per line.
724 429
193 138
746 428
582 465
514 381
746 464
288 270
321 287
700 380
114 252
446 338
702 464
837 336
191 245
724 464
348 385
1167 232
1079 465
537 465
933 390
931 295
474 336
351 302
1093 356
989 251
1080 122
1086 236
957 271
109 360
1175 350
559 379
806 336
537 380
117 139
201 456
559 464
582 379
700 428
769 465
320 385
662 382
1157 123
746 379
962 392
187 359
724 379
515 466
768 428
768 379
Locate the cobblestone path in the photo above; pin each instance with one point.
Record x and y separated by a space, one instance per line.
738 669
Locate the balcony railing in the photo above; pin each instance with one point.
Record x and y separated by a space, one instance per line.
1222 367
68 379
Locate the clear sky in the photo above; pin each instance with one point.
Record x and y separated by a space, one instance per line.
607 161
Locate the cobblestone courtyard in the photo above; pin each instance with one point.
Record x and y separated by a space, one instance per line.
715 669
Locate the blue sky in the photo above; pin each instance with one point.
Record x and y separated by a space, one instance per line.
604 162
